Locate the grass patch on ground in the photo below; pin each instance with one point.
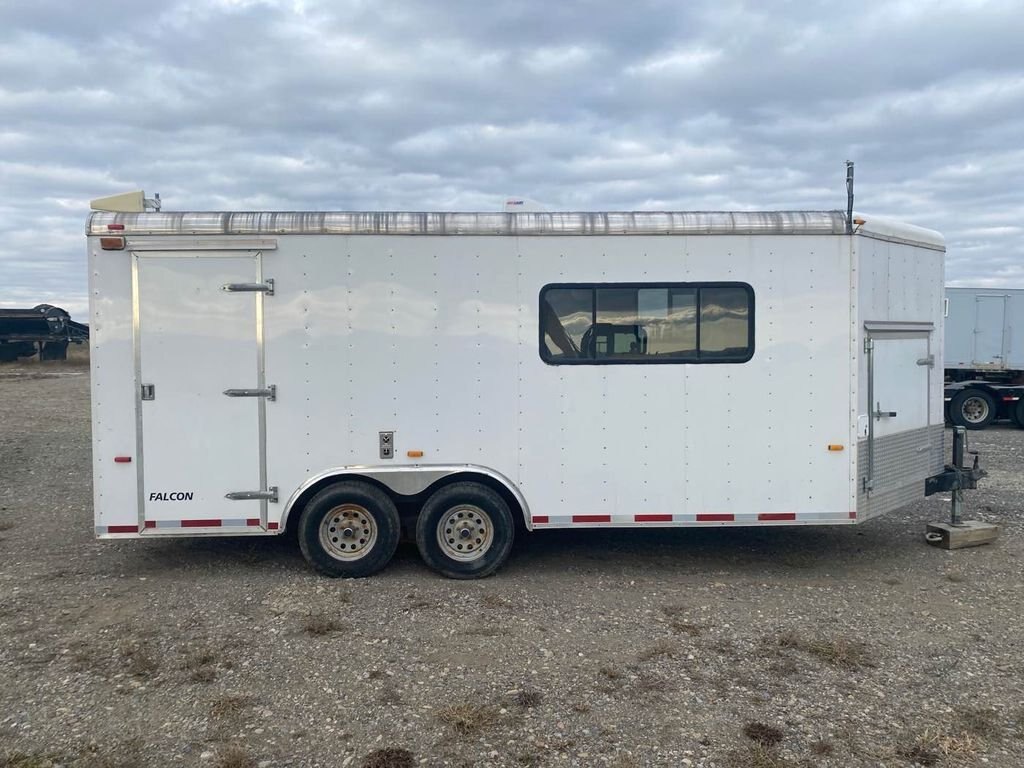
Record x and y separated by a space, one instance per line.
664 647
229 706
465 719
837 651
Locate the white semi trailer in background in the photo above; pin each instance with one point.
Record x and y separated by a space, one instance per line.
484 373
984 355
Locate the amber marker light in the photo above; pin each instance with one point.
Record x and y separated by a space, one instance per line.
414 454
835 447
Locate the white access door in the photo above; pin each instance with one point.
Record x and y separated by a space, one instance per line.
901 441
199 336
900 387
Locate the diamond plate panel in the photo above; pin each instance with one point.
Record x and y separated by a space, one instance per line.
902 463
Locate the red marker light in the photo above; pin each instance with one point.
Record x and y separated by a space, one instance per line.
115 227
112 243
122 459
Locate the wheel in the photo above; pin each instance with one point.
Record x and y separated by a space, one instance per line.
972 408
349 529
465 531
1018 413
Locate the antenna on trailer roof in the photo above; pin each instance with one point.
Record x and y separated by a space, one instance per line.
849 197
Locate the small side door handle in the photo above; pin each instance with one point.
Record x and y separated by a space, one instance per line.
880 414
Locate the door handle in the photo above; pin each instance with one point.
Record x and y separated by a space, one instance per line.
270 392
880 414
266 287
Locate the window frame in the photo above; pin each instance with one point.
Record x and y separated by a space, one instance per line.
654 360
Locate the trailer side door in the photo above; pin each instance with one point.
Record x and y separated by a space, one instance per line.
199 370
901 445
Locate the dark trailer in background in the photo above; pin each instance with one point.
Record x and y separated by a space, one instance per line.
44 329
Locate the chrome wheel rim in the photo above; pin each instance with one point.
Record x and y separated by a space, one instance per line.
974 410
465 533
348 532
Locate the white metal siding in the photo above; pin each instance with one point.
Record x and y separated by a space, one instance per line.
437 339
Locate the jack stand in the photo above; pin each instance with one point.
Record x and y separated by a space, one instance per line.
959 533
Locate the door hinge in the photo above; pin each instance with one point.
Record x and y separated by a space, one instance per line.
266 287
270 392
929 361
270 495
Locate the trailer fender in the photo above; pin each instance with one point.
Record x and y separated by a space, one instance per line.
404 481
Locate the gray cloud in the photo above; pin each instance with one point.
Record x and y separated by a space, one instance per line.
232 104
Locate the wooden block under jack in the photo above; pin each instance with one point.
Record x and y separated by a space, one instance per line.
970 533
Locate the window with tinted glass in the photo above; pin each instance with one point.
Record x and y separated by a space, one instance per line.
647 323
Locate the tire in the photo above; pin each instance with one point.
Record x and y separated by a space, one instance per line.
972 408
1018 413
349 529
465 531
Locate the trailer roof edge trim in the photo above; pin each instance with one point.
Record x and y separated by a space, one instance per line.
509 224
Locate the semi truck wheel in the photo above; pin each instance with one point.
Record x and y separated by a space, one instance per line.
465 531
1018 413
972 408
349 529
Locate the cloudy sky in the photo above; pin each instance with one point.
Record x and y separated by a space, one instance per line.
454 105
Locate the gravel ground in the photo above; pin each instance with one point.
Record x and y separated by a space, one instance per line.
857 646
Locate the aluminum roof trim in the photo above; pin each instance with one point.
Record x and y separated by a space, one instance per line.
412 223
509 224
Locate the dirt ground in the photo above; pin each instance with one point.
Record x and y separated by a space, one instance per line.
768 648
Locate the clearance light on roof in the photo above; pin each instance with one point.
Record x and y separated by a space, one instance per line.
115 227
112 243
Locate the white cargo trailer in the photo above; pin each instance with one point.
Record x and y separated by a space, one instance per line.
487 372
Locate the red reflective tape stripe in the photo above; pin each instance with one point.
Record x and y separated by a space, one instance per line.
652 518
777 516
151 523
200 523
591 518
853 515
540 519
122 529
716 518
122 459
252 521
272 526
